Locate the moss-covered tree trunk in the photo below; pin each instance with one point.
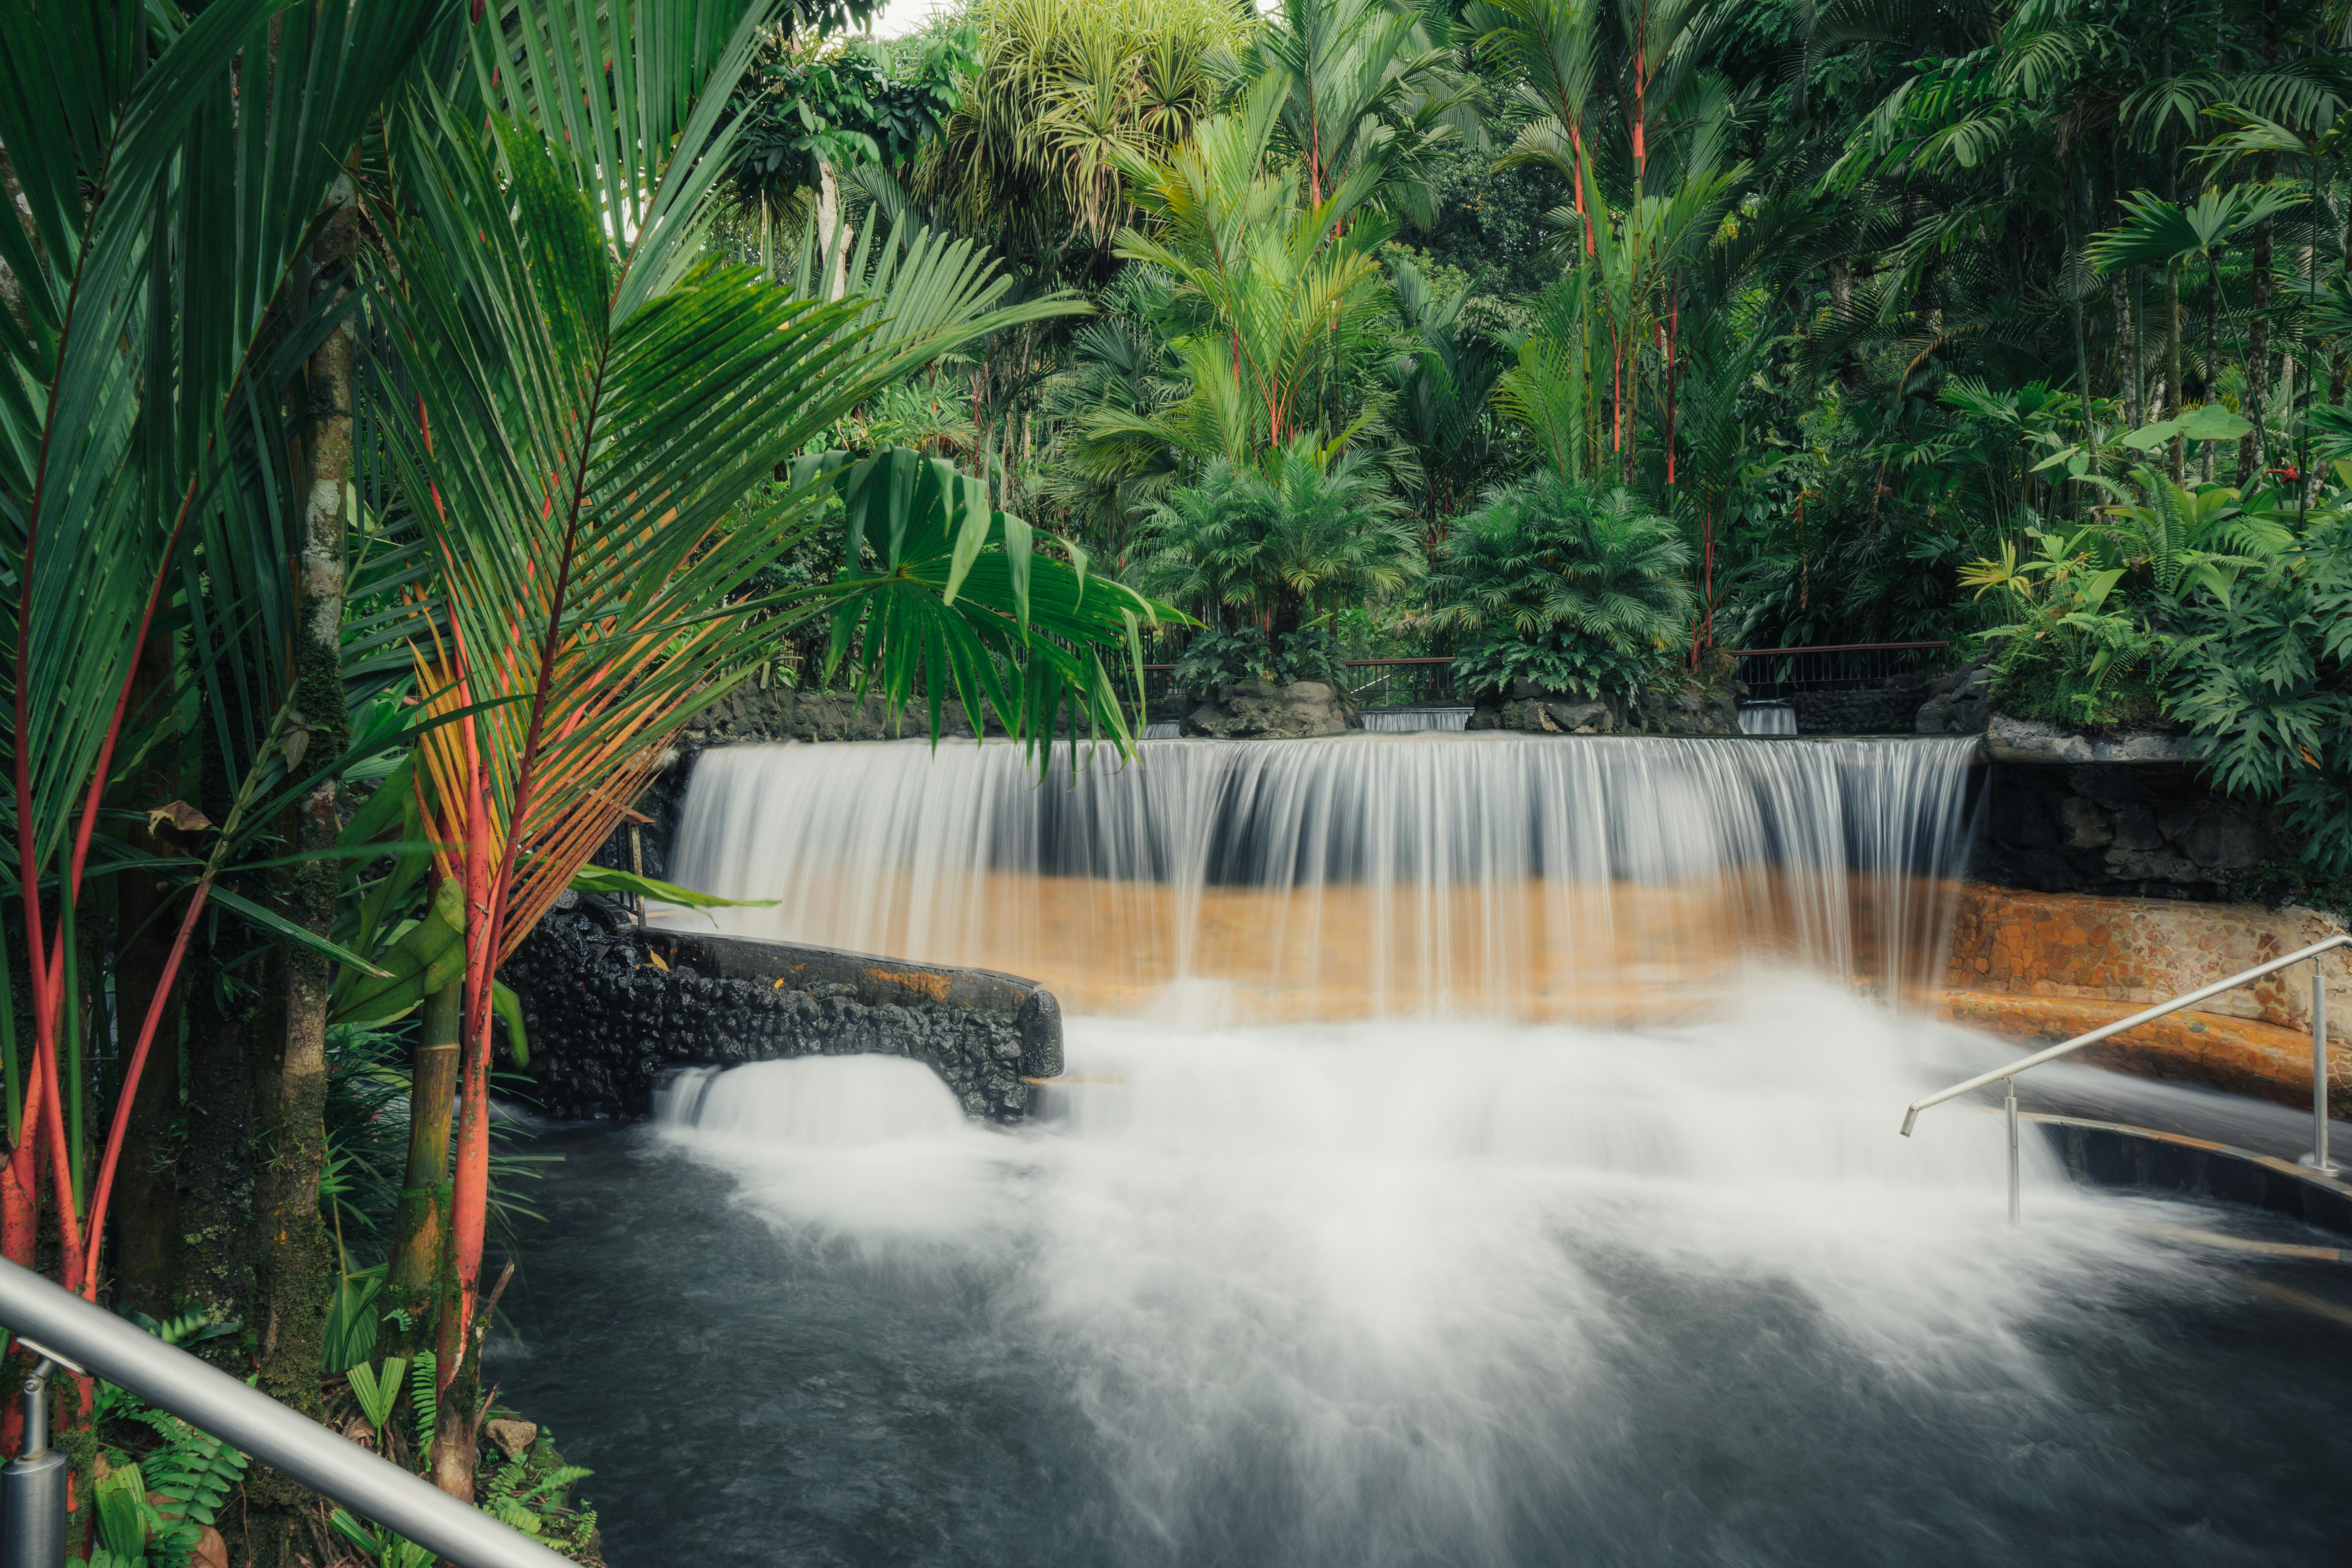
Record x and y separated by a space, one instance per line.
294 1262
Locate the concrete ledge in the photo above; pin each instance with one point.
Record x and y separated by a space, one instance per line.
2113 1154
612 1004
876 981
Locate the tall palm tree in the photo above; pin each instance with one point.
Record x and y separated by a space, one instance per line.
1363 86
358 352
1442 376
1287 287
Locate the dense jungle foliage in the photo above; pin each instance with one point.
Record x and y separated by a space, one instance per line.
2021 326
416 412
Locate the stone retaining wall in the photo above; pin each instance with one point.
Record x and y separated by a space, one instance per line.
2149 830
610 1004
1894 710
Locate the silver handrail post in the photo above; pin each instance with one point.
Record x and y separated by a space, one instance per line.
2010 1110
33 1487
211 1399
2317 1159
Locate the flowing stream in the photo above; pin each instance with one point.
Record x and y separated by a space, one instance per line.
1318 1257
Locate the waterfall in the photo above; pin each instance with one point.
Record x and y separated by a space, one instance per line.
1603 878
1397 719
1767 718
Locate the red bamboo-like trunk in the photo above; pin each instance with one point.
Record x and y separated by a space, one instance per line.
1616 390
1576 141
470 1183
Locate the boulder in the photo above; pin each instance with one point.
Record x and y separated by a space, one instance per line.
1531 710
2014 739
2131 829
1713 711
1555 715
1259 711
514 1439
1959 704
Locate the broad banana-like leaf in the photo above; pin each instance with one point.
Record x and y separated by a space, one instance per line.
428 955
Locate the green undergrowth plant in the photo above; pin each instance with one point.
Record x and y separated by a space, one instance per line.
1219 656
149 1453
2263 684
532 1496
2073 651
1565 585
2229 616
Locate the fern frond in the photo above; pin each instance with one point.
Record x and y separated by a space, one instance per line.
425 1394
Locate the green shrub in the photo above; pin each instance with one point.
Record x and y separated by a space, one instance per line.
1565 585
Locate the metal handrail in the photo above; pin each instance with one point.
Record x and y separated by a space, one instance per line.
2317 1159
211 1399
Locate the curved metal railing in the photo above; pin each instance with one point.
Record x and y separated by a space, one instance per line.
63 1328
2317 1159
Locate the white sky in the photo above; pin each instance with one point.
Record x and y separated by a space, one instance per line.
899 17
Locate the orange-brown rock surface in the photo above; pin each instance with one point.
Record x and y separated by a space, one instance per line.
2047 966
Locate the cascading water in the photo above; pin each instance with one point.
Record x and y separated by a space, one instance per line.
1434 1279
1767 718
1395 720
1497 875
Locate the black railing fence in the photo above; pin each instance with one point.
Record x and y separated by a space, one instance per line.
1777 674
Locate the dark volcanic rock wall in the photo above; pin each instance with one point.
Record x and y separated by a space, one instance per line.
1892 709
2149 830
605 1019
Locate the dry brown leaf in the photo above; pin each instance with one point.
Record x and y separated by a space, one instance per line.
179 815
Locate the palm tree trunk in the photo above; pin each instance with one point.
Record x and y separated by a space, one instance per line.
832 231
2136 414
416 1280
2212 345
2082 343
2172 366
2252 445
294 1262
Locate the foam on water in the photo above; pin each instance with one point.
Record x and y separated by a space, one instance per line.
1474 1292
1570 1225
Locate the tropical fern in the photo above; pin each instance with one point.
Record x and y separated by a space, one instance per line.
506 1497
424 1393
196 1472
